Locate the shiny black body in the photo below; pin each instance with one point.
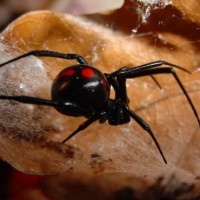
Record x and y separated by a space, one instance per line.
82 90
84 85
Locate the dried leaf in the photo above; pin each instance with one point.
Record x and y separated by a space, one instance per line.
31 135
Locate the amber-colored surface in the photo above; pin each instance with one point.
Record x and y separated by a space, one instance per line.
190 9
31 135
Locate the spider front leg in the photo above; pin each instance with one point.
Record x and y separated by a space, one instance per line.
119 85
150 69
125 70
130 70
41 53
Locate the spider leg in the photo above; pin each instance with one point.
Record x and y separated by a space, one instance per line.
156 82
41 53
166 70
119 85
125 69
113 82
123 91
150 69
146 127
120 95
83 126
45 102
131 70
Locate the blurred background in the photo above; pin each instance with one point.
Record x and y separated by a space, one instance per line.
10 9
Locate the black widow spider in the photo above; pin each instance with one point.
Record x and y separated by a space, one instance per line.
82 90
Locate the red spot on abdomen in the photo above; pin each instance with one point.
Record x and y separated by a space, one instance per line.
68 73
87 72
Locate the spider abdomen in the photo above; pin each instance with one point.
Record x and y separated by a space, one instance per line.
83 85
